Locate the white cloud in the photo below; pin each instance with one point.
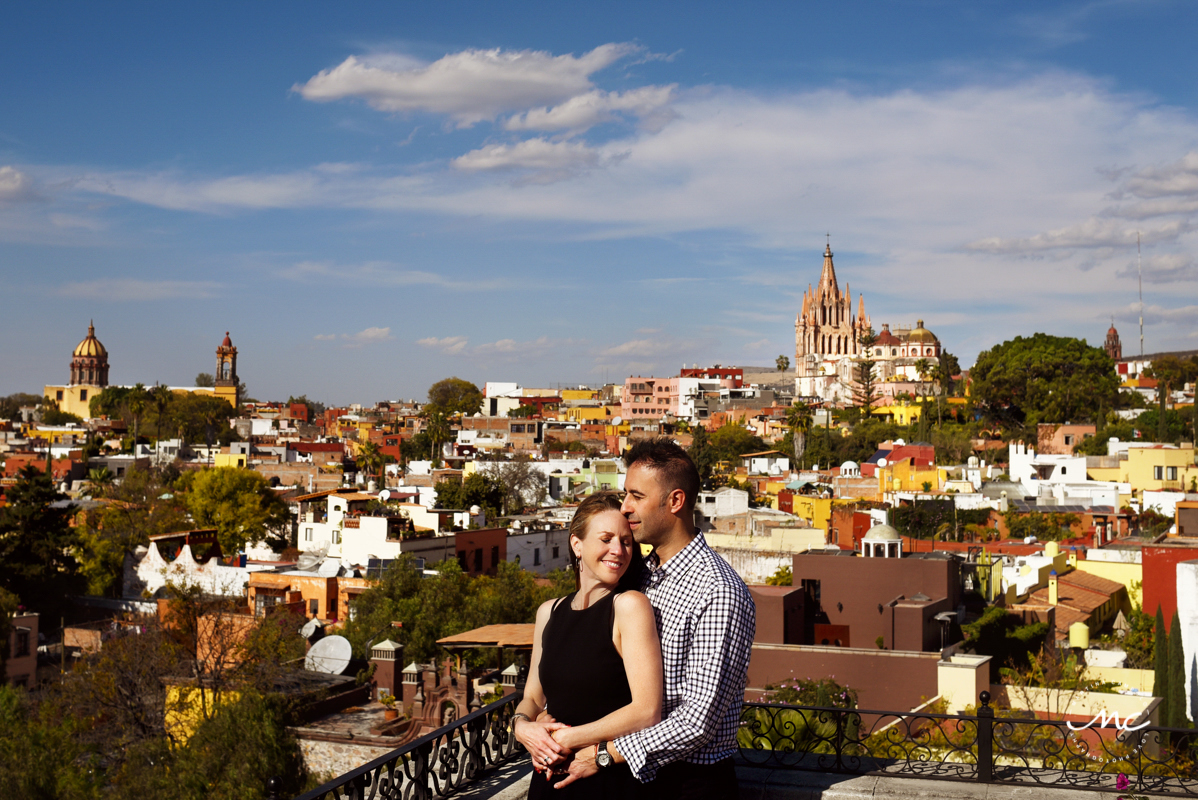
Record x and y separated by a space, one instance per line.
367 336
640 348
1164 268
359 339
554 159
1091 233
450 345
15 186
584 111
135 290
470 86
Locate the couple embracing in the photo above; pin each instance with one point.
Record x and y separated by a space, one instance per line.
636 680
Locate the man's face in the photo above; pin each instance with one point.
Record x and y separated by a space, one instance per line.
646 505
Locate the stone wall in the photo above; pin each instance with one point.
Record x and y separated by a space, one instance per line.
329 758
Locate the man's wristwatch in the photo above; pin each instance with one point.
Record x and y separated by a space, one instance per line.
602 757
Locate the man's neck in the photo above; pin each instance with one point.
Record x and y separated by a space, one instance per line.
679 537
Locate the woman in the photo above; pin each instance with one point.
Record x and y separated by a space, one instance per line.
596 658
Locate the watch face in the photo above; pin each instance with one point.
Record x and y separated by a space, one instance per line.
602 757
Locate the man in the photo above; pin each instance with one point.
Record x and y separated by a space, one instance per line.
706 619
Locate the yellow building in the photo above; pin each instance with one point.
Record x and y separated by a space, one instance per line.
816 510
907 477
569 395
1152 468
89 376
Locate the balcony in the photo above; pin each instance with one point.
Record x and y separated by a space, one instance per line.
826 752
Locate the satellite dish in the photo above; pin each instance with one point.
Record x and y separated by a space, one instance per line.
385 495
617 421
330 655
329 568
881 462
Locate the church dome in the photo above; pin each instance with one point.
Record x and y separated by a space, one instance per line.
226 342
883 532
921 334
90 347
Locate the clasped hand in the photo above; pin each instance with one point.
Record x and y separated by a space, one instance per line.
538 739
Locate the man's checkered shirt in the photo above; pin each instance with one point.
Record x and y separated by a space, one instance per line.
706 618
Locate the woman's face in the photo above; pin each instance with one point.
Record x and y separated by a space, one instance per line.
606 552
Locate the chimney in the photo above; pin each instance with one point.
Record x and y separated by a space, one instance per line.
386 657
1052 588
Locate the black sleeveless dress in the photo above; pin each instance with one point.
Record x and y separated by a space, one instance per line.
583 678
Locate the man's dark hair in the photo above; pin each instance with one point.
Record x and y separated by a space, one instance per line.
670 463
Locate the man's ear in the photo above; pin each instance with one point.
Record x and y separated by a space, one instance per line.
676 501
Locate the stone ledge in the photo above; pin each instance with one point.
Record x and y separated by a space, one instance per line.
757 783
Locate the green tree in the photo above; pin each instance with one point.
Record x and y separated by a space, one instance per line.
522 412
160 400
1045 526
798 420
8 608
1178 716
1043 379
371 460
416 448
205 379
142 505
437 430
11 405
239 504
1160 682
732 441
1005 638
865 391
702 452
55 416
37 544
455 396
782 363
783 576
478 489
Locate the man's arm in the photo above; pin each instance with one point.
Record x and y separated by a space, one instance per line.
716 665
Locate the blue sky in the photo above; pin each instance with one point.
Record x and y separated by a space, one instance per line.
375 198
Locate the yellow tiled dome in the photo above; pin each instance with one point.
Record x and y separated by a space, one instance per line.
91 345
921 334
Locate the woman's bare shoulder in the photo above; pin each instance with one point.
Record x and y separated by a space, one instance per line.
632 602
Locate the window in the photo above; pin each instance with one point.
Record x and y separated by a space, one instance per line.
332 609
59 394
478 560
555 551
536 557
495 555
83 394
307 534
1158 473
462 560
1063 470
1171 473
1068 440
313 606
264 601
21 646
336 537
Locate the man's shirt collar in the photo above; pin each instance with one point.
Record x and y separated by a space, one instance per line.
679 564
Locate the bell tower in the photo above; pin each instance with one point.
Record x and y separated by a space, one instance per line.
226 384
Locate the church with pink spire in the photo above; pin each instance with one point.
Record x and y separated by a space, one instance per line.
828 342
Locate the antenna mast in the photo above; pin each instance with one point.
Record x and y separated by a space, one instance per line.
1140 275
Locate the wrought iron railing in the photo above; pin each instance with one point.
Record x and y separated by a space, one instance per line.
987 747
984 748
435 765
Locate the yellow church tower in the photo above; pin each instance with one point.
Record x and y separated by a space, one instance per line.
226 385
89 376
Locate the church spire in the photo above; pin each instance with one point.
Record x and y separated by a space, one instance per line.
827 278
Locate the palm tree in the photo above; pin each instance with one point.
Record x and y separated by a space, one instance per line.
437 428
782 363
371 459
798 419
100 481
161 397
136 403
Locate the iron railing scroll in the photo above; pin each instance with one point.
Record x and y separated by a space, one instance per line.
989 746
435 765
